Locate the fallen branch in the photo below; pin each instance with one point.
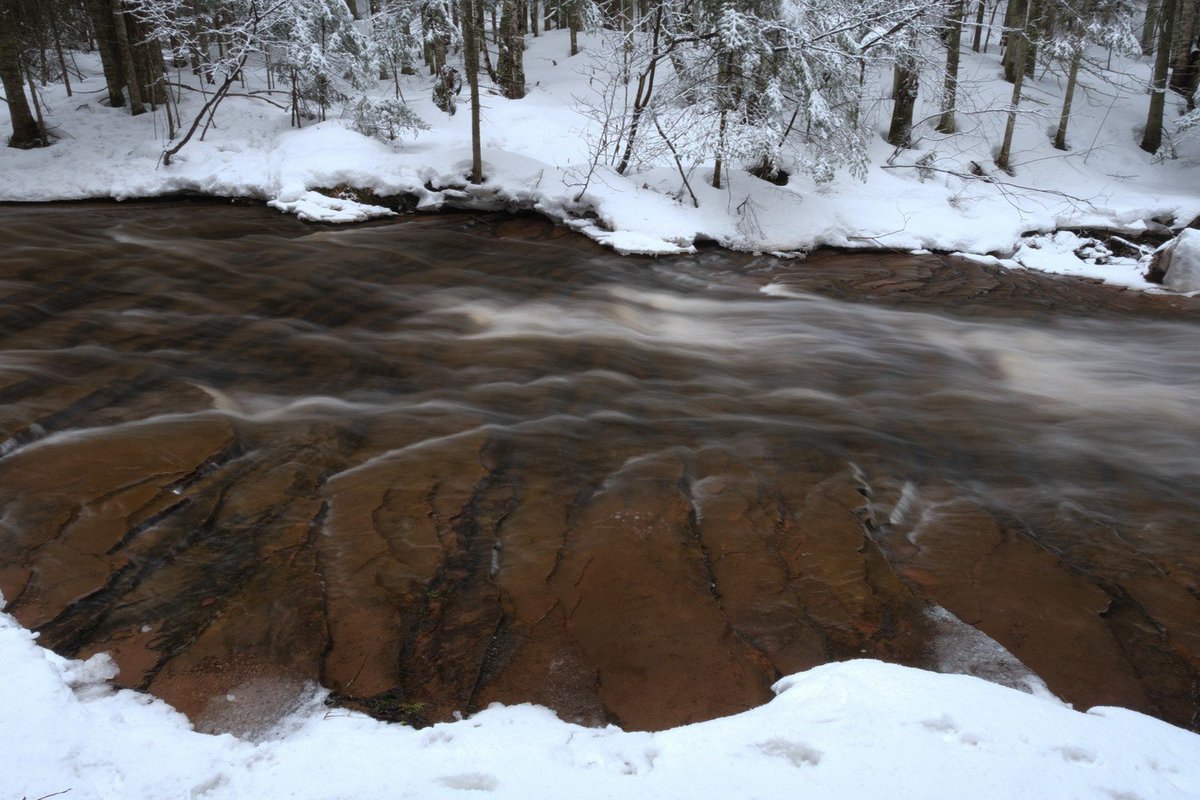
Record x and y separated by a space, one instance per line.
991 180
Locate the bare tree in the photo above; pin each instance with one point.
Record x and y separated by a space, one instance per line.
1021 48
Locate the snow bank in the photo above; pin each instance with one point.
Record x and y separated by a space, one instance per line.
941 195
856 730
316 207
1180 259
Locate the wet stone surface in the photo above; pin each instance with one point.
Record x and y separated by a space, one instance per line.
440 463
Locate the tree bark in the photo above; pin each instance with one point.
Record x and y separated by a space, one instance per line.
26 132
977 38
725 101
62 60
100 12
1150 25
1060 136
904 95
576 25
1022 50
1182 41
470 28
150 64
953 45
510 62
1012 39
127 64
1152 137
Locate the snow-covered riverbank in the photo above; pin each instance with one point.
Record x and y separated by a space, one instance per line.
536 156
860 729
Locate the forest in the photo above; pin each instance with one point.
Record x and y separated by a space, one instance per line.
735 82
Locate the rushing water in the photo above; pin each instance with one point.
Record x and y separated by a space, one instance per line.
443 462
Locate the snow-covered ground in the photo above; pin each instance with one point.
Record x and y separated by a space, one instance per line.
536 156
855 731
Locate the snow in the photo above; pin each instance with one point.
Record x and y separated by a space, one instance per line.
1061 253
536 156
1183 266
852 730
316 207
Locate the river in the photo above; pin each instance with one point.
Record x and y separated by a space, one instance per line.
447 461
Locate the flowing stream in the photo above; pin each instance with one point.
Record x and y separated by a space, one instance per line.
441 462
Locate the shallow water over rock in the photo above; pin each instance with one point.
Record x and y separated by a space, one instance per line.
444 462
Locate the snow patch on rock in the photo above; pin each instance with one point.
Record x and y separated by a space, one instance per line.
1180 258
316 207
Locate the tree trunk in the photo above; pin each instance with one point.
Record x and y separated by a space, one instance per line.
1019 46
150 64
471 58
534 18
1012 39
977 38
26 132
991 25
720 160
1152 138
576 25
904 95
1033 35
1064 119
1060 136
645 91
510 62
1182 40
949 99
62 59
100 12
1150 25
724 101
127 66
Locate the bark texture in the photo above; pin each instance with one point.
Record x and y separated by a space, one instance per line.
510 64
26 132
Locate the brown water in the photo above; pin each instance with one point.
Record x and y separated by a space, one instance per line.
444 462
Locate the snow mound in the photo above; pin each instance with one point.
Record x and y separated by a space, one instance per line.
1068 253
858 729
316 207
1181 260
